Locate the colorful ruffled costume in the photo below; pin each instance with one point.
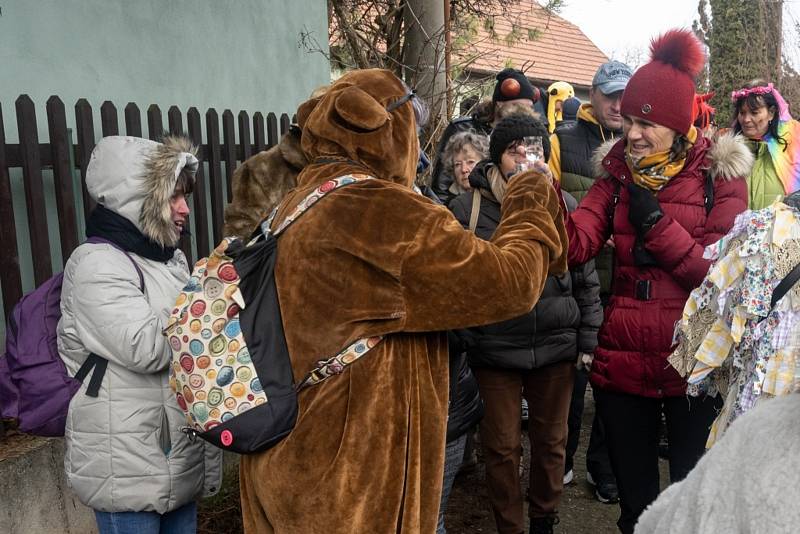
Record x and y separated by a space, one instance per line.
731 341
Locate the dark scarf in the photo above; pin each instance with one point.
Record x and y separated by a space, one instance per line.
112 226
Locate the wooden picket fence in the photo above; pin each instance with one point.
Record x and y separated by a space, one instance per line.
64 158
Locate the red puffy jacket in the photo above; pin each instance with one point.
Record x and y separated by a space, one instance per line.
636 336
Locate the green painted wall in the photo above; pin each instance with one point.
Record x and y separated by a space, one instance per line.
237 54
225 54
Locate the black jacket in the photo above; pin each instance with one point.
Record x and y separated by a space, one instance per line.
576 145
564 321
465 406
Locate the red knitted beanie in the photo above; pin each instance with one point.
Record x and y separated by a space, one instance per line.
662 91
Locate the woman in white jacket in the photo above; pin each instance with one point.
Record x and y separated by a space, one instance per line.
126 456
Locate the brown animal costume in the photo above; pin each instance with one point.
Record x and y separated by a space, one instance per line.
367 453
264 179
261 182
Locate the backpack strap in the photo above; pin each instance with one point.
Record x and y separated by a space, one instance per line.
93 361
311 199
785 285
97 239
336 365
99 364
708 194
476 210
614 202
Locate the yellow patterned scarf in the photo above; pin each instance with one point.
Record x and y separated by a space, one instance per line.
655 170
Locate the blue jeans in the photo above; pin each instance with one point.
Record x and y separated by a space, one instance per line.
180 521
453 457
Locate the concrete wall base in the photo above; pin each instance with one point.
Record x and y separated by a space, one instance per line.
34 496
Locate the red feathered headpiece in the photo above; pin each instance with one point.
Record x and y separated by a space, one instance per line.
702 111
662 91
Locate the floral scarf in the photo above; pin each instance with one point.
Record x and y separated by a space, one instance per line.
654 171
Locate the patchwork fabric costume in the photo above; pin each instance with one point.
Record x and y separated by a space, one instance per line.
732 341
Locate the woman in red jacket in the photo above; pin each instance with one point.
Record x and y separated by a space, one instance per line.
667 193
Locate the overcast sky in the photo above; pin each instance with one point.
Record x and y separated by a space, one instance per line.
621 28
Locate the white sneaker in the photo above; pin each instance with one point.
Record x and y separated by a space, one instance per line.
589 479
569 476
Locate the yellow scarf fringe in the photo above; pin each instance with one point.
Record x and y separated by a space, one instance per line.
655 171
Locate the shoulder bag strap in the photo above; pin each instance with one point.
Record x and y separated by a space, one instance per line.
94 361
708 196
135 265
336 365
785 285
476 210
313 197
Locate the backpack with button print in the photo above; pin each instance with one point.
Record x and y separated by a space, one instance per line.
231 370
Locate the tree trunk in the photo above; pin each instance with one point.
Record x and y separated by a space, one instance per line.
424 53
744 43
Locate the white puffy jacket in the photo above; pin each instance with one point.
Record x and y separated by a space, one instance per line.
125 450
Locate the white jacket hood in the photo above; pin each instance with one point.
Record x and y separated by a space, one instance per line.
136 177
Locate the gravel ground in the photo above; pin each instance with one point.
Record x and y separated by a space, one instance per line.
468 510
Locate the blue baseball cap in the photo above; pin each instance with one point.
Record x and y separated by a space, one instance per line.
611 77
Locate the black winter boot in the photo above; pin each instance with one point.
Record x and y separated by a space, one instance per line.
543 525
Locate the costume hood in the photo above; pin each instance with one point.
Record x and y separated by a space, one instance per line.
350 122
136 178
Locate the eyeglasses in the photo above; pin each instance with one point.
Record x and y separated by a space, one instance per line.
397 103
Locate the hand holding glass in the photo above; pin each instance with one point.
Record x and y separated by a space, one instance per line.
533 152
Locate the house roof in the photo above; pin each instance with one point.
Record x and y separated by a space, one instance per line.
560 51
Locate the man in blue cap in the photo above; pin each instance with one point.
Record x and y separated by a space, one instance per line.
571 149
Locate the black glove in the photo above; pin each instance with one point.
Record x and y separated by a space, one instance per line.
644 211
641 256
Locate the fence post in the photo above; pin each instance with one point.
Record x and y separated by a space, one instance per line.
62 173
175 124
272 130
201 228
9 253
155 124
34 188
108 119
133 120
285 123
244 136
85 125
259 138
215 173
229 149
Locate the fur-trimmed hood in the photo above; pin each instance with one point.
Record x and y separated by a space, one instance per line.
727 157
136 178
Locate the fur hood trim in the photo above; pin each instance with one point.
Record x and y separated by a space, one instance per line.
161 169
727 158
599 155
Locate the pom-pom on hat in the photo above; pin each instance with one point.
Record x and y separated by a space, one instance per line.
662 91
513 84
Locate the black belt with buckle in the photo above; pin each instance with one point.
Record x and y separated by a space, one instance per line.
649 289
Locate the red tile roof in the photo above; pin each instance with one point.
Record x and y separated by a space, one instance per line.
560 51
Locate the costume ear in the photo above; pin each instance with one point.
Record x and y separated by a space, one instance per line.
360 110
